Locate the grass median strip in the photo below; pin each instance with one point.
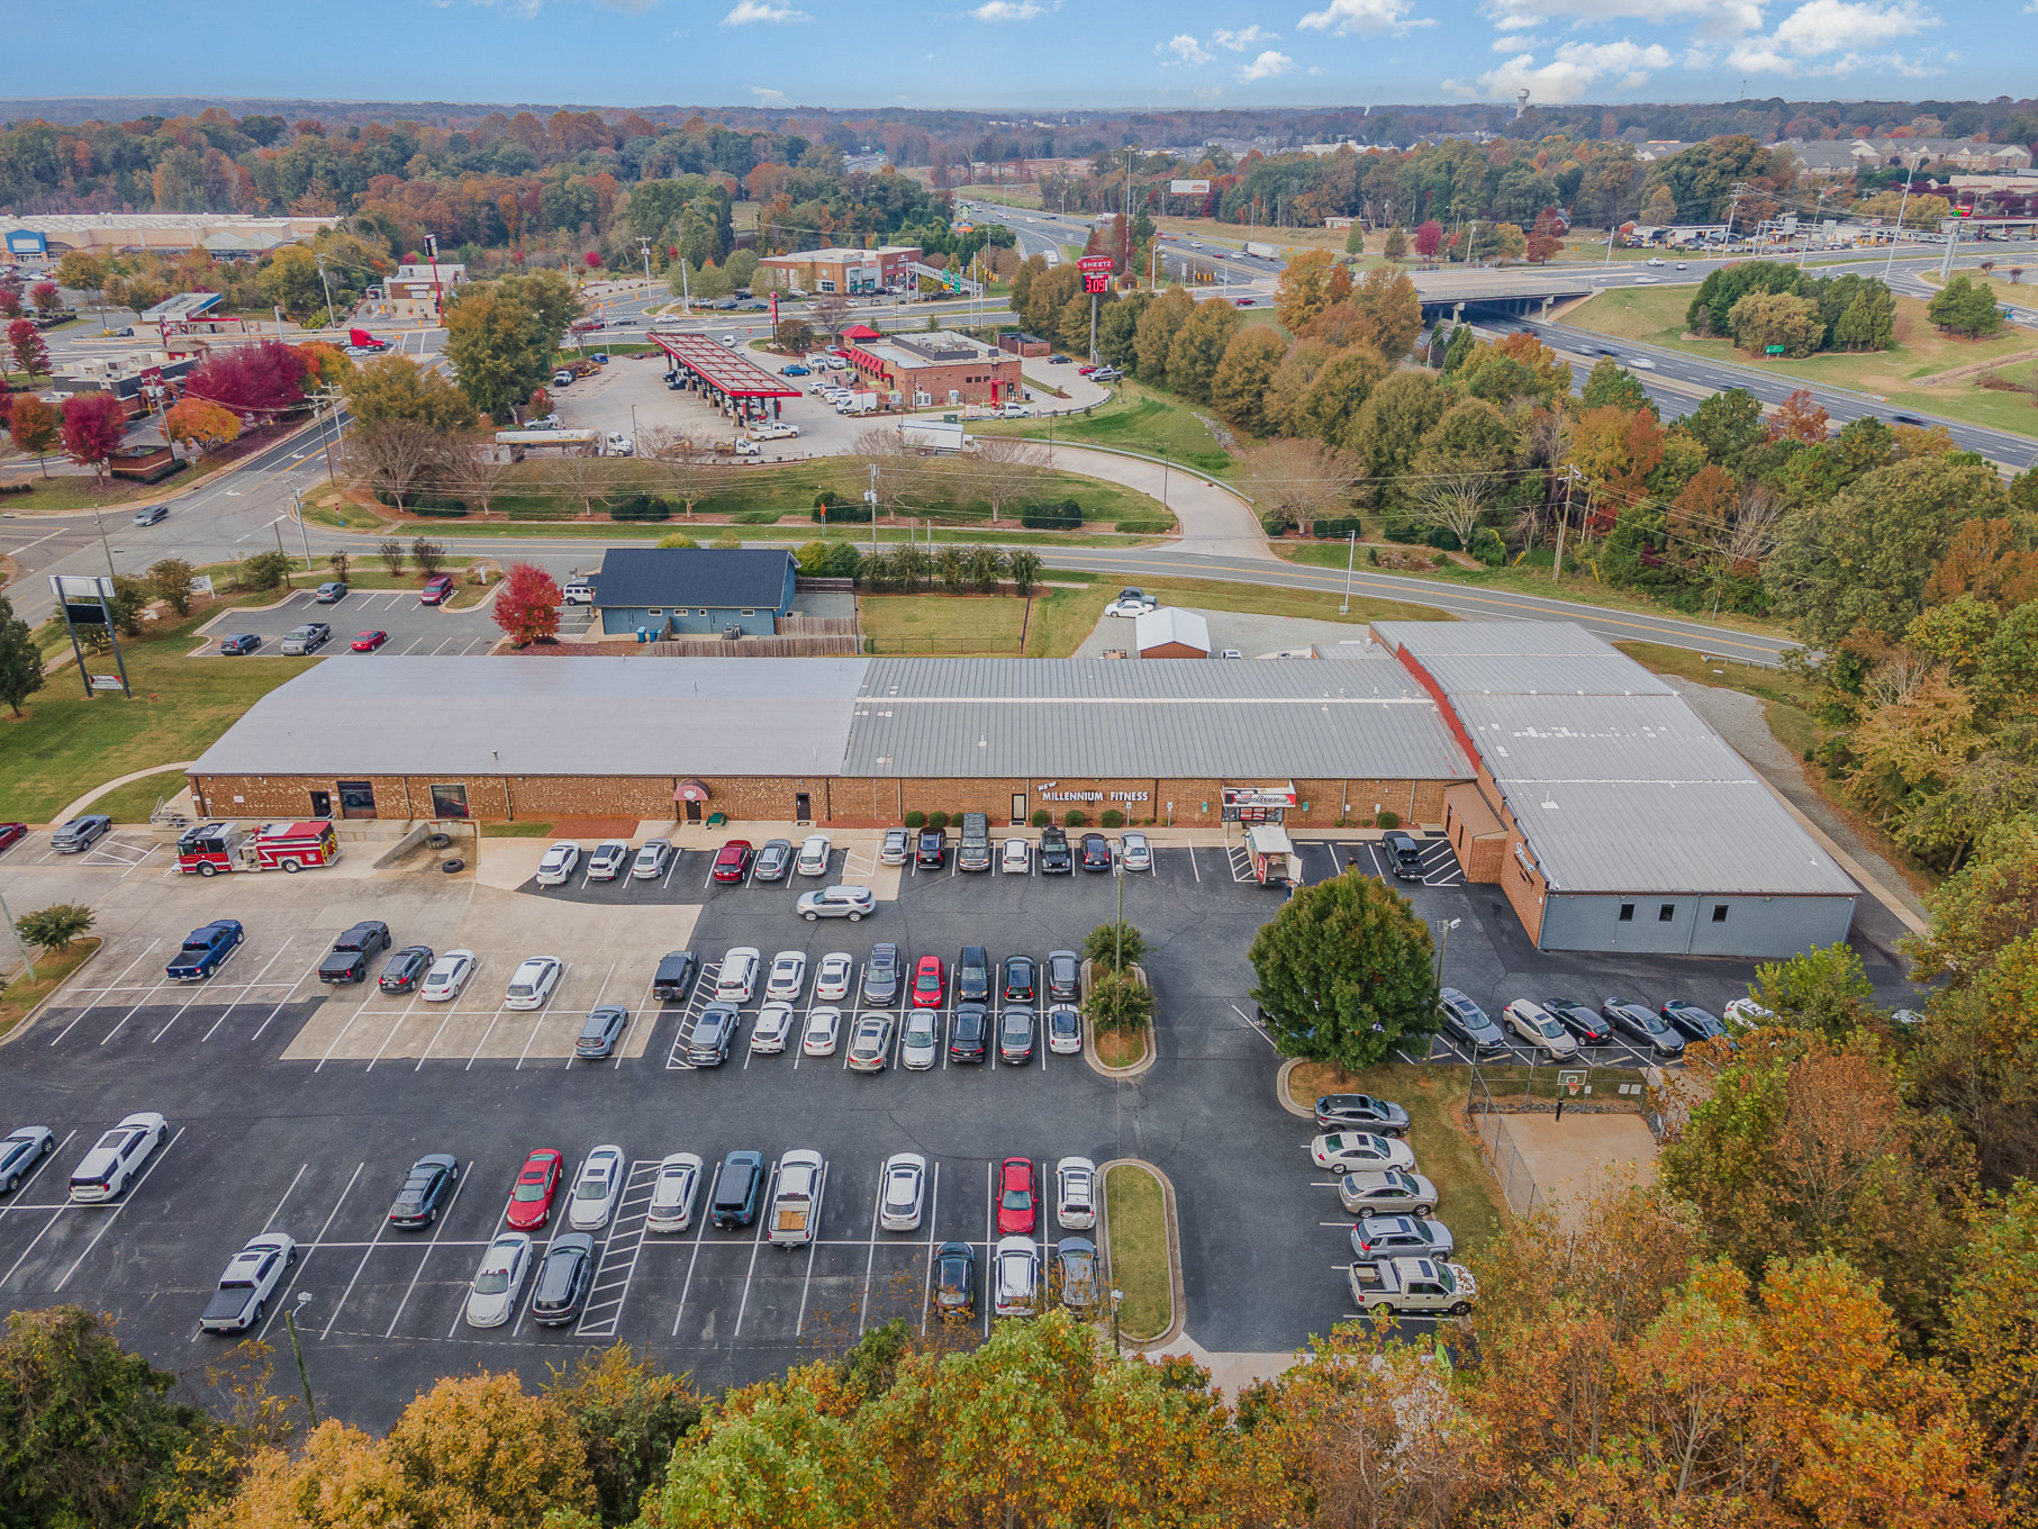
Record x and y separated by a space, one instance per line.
1136 1215
136 801
52 971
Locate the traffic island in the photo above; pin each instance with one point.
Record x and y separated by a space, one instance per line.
1142 1253
1121 1054
23 999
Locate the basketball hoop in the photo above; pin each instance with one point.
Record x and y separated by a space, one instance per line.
1571 1082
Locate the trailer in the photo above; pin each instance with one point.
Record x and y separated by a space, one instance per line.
1264 251
1264 854
211 848
572 443
933 435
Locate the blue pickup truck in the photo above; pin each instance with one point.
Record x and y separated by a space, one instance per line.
205 950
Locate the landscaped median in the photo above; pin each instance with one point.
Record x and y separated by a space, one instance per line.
53 969
1140 1251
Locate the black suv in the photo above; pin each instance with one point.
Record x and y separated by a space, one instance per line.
1582 1020
1054 852
881 976
932 850
966 1033
1064 977
563 1279
739 1186
1021 978
973 975
955 1280
402 972
352 951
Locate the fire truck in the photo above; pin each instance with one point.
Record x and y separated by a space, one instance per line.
211 848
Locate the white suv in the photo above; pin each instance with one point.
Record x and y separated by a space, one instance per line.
116 1158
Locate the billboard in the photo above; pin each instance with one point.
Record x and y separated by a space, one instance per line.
1188 188
1092 263
80 597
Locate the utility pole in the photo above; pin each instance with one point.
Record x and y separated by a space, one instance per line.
1806 248
1734 207
326 284
276 525
1902 202
1571 476
1351 557
645 245
297 503
104 546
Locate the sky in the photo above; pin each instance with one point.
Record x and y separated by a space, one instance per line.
1039 54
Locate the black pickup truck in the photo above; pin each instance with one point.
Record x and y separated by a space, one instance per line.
348 960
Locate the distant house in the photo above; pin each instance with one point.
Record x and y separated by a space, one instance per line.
701 590
1171 632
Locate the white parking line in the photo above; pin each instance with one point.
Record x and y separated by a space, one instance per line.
870 1260
310 1248
763 1217
1192 863
287 999
430 1243
15 1201
255 981
990 1242
451 1010
126 1199
113 987
933 1220
813 1248
700 1232
301 1167
366 1254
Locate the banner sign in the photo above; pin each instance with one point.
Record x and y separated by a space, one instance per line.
1188 188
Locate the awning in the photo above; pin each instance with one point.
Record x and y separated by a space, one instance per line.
690 791
1282 795
861 332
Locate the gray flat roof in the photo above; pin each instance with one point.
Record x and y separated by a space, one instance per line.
547 716
1490 639
1596 738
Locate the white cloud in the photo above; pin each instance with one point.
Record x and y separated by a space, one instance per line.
1185 49
748 11
1344 17
766 96
1831 36
1577 69
1269 65
1006 10
1711 18
1246 37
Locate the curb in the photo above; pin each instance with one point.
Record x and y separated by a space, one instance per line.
27 1021
1177 1302
1281 1090
1131 1070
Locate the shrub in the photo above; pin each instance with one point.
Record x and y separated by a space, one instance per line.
1488 547
831 508
1151 525
1111 817
55 928
641 506
1336 528
1117 1002
1063 515
1387 820
1104 943
916 819
1075 819
265 570
1041 817
937 820
1276 525
438 509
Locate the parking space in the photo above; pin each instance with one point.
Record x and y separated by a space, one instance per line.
115 851
413 627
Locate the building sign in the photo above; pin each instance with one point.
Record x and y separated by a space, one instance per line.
1054 791
1188 188
1094 283
1257 796
81 596
1091 263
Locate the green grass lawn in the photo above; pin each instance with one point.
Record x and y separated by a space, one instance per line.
1137 419
21 995
943 624
133 802
1656 315
65 744
1136 1224
1468 1198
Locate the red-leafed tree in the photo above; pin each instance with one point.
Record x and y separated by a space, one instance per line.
263 379
10 302
1546 239
527 608
93 426
31 355
35 427
1429 239
593 259
46 298
1799 418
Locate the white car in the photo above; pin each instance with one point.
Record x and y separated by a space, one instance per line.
1015 1277
499 1280
905 1188
834 975
448 977
1075 1193
1745 1014
1538 1026
1017 858
788 976
736 979
559 864
824 1028
674 1192
532 983
920 1046
1350 1151
117 1157
813 857
608 860
1134 853
597 1189
653 856
1131 608
894 849
1654 260
773 1029
1065 1030
250 1278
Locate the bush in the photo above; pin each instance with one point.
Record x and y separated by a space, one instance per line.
1075 819
1041 817
1335 528
1117 1002
1103 944
937 820
1151 525
1488 547
55 928
916 819
1387 820
1276 525
831 508
265 570
1111 817
1065 515
641 506
24 487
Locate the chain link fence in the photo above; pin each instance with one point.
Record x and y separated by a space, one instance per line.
1496 1144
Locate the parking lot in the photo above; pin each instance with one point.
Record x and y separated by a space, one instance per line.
297 1107
412 627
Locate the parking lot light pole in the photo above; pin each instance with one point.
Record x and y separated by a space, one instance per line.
1117 1295
1351 556
297 1353
1443 940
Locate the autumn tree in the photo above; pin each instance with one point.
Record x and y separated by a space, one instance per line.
34 426
502 347
1799 418
527 608
1545 240
1764 320
397 388
1611 384
261 381
1298 481
399 457
1311 282
1155 335
170 580
1344 973
1429 239
201 425
1199 346
31 355
92 427
1239 390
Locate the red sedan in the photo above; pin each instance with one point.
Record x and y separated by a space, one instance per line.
368 642
530 1204
9 832
1018 1198
732 862
930 982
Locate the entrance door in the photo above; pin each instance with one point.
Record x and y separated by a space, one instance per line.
357 799
1018 808
803 807
693 812
321 804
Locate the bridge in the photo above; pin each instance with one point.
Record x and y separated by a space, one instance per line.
1521 292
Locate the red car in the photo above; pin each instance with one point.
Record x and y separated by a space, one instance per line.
368 642
437 591
930 982
732 863
9 832
530 1204
1086 370
1018 1198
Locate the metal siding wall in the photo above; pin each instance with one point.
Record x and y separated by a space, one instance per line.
1772 927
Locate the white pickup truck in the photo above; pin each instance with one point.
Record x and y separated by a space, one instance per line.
796 1203
1417 1286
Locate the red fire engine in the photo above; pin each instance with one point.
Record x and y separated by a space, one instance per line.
211 848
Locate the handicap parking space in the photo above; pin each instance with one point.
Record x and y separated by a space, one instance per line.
413 627
120 851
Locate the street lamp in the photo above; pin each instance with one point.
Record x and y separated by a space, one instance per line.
1117 1296
297 1353
1442 940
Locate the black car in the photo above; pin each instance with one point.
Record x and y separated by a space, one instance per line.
352 951
564 1279
1021 975
1404 854
603 1030
1644 1026
1055 859
1468 1022
931 852
973 975
881 976
955 1280
1064 977
1360 1112
239 642
674 976
739 1187
1582 1020
1694 1023
406 969
1096 852
426 1191
966 1032
1015 1035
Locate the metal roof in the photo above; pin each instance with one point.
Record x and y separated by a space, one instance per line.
1490 639
1596 738
720 367
548 716
1573 674
718 578
1171 623
1180 718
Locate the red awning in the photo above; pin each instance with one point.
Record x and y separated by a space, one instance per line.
690 791
861 332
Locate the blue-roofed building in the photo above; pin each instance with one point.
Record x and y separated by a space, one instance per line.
694 590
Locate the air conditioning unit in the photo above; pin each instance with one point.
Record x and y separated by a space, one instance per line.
731 633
